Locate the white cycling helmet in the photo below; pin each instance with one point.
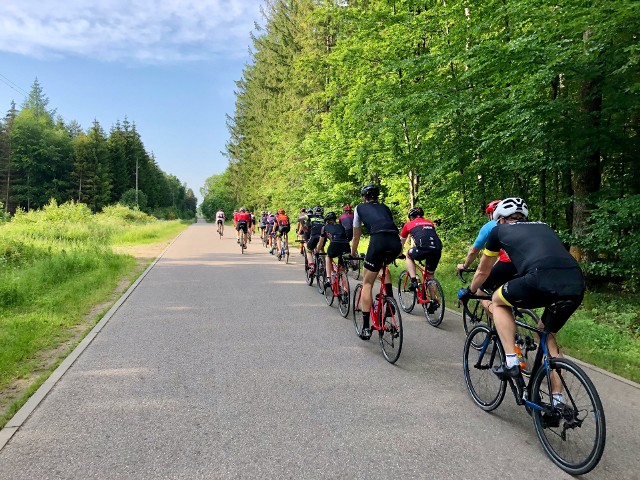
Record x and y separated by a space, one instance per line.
509 206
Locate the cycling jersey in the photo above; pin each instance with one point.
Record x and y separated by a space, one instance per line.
346 220
220 216
423 232
263 221
481 239
282 220
335 233
314 225
376 217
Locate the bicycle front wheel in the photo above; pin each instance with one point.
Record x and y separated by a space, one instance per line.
344 291
308 273
391 333
572 432
406 297
486 389
357 309
434 308
321 275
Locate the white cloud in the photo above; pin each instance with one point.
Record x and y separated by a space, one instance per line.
154 31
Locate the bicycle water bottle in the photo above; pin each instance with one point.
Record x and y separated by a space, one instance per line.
521 361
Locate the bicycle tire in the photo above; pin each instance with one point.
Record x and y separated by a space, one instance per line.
434 309
574 417
328 294
321 275
406 298
526 339
308 274
391 334
486 389
357 309
473 314
344 293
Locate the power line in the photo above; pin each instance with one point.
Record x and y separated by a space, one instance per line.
13 85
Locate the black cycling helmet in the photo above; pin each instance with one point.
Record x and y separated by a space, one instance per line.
318 210
415 212
371 191
330 216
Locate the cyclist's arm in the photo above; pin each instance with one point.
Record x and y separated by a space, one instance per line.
357 232
484 268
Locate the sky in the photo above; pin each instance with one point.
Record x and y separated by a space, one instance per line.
169 66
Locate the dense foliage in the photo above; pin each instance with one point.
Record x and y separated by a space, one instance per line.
448 105
43 158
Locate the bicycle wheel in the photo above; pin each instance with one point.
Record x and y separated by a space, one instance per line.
391 333
344 290
321 274
308 273
406 298
572 433
473 314
486 389
357 309
434 308
286 252
355 268
328 294
526 339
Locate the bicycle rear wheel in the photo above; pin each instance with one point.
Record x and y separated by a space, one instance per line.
406 298
344 290
321 274
434 308
391 334
357 309
486 389
328 294
572 433
308 273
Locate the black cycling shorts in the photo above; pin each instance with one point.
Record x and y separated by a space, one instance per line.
431 257
242 225
543 287
283 229
220 221
337 249
383 248
500 274
349 233
313 242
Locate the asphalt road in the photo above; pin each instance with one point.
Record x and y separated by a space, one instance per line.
221 365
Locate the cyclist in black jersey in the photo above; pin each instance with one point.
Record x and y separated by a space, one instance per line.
339 245
313 227
384 246
547 273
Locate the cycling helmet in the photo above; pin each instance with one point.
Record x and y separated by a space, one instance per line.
347 208
509 206
242 209
318 210
371 190
281 212
492 206
303 210
330 216
415 212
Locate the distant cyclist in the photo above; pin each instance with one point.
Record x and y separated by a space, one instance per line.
243 219
346 220
547 273
300 228
262 223
339 244
220 218
426 244
282 227
271 228
313 228
384 246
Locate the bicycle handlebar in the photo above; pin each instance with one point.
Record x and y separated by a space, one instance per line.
465 270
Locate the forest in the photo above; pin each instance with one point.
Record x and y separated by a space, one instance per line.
44 158
447 105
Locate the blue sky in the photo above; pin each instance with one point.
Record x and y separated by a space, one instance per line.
167 65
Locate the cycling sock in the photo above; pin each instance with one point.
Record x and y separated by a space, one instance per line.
557 398
388 288
512 360
365 319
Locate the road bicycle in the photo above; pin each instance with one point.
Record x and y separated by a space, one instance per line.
243 241
572 430
339 286
385 316
265 238
355 269
314 271
220 228
474 313
429 294
284 249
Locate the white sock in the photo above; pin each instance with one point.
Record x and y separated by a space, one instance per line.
512 360
557 398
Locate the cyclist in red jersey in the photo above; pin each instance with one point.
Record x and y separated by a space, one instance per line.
427 244
242 220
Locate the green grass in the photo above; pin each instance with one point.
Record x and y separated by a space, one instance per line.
56 265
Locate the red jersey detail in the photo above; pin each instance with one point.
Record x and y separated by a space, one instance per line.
417 222
243 217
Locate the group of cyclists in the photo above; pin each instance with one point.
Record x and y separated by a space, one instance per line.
524 264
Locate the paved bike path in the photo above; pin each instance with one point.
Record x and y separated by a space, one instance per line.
221 365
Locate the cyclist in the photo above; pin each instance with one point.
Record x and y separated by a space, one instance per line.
235 224
262 223
220 220
242 223
427 245
271 221
283 227
252 225
313 228
384 246
547 274
339 245
300 229
346 220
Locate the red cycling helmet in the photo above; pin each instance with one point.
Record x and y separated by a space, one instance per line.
347 208
492 206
